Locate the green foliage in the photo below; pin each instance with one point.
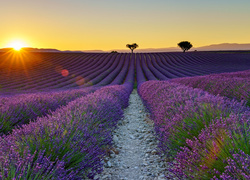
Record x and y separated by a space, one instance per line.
248 103
238 139
29 174
192 125
135 85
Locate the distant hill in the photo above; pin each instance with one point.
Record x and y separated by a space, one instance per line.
95 51
212 47
40 50
29 49
5 49
171 49
224 46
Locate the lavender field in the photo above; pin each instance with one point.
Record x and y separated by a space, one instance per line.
58 111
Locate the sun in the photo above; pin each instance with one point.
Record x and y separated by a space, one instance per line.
16 45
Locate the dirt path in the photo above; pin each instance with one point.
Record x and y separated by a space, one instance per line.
134 156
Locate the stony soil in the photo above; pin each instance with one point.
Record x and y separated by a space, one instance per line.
135 155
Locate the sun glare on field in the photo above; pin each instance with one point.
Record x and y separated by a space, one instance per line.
16 45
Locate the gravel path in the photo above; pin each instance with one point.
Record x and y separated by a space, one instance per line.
134 156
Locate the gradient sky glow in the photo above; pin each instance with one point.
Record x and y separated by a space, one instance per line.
111 24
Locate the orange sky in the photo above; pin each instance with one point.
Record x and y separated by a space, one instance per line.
111 24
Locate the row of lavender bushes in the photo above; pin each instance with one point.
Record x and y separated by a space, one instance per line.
207 136
234 85
20 109
68 144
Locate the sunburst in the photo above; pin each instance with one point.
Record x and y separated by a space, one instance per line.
17 45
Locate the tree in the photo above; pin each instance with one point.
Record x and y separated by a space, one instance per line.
132 46
185 45
114 52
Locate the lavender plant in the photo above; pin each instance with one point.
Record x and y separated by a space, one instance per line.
232 85
237 167
214 152
76 135
26 166
20 109
202 131
180 112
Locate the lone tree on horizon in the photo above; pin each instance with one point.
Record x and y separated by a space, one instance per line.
185 45
132 46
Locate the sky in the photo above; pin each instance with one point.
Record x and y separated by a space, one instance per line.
111 24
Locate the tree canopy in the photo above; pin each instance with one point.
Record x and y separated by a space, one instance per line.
132 46
185 45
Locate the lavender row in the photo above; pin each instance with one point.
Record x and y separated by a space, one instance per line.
74 72
164 66
119 79
167 72
96 75
147 72
191 61
123 72
234 85
158 74
168 63
205 134
71 70
56 78
80 75
51 66
53 69
239 74
68 144
140 77
20 109
107 76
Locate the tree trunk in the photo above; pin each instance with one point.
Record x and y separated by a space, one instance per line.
184 50
132 50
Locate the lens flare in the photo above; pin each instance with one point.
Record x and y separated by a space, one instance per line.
65 72
80 80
